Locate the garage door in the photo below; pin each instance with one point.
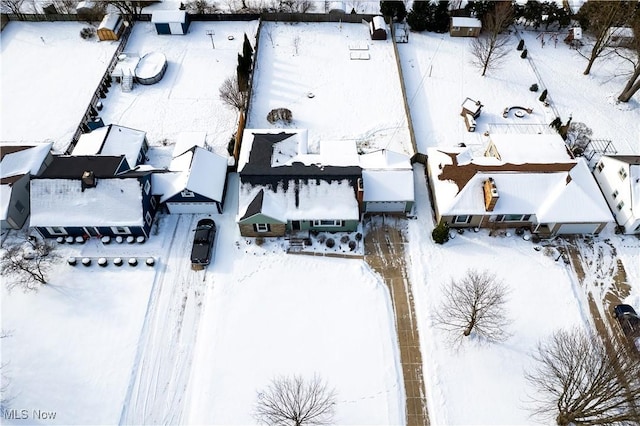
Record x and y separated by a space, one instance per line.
192 207
578 228
386 206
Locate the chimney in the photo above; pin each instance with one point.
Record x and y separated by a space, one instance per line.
490 194
88 180
360 194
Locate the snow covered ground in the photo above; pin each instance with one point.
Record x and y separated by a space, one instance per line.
47 66
166 344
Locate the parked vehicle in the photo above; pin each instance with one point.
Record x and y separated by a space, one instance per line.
202 250
629 322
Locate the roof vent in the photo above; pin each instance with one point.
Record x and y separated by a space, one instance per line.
88 180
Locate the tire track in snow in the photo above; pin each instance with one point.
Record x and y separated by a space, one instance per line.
158 385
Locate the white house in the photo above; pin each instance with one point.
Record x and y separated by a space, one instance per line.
619 179
519 181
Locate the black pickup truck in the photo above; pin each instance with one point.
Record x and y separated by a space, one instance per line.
202 250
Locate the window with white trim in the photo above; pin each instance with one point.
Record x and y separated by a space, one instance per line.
147 187
120 230
187 193
456 28
600 166
56 230
615 194
513 218
620 205
148 218
622 173
328 222
261 227
464 218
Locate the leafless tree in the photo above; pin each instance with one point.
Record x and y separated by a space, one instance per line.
66 6
474 304
633 56
132 9
231 94
578 380
601 16
578 137
489 49
27 264
11 6
295 401
200 6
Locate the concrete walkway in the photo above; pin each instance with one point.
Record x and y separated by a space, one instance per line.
384 252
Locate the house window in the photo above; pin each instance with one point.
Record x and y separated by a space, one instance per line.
622 173
19 206
620 205
120 230
147 187
513 218
465 218
55 230
154 203
261 227
148 218
526 217
615 194
325 222
455 29
187 193
600 166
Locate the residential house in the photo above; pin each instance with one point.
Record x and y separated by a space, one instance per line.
18 163
520 180
284 188
619 179
461 26
114 140
92 196
195 181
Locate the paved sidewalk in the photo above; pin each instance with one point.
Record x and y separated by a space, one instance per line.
384 252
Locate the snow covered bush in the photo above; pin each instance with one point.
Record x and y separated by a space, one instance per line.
344 239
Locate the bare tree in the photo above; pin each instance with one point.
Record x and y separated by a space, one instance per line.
580 381
28 263
200 6
599 17
295 401
578 137
11 6
633 83
489 50
231 94
474 304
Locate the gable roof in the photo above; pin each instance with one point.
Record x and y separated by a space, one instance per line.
265 204
530 148
62 202
111 140
17 160
461 21
388 185
196 170
187 140
72 167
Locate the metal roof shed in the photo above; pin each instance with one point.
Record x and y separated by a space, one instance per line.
170 21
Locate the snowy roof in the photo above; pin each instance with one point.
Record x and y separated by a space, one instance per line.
377 22
5 199
459 21
295 143
530 148
167 16
198 170
187 140
315 200
265 204
471 105
339 153
110 21
622 32
388 185
61 202
385 159
22 159
551 193
111 140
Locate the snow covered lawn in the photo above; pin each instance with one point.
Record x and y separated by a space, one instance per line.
273 314
307 68
47 66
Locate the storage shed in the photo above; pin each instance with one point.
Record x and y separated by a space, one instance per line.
170 21
378 28
111 27
464 27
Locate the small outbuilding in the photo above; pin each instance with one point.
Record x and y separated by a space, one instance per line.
111 27
170 21
464 27
378 28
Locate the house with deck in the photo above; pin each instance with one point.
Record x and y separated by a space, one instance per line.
19 162
92 196
619 179
518 181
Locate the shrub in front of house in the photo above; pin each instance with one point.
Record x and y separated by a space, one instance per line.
344 239
330 242
352 245
440 233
